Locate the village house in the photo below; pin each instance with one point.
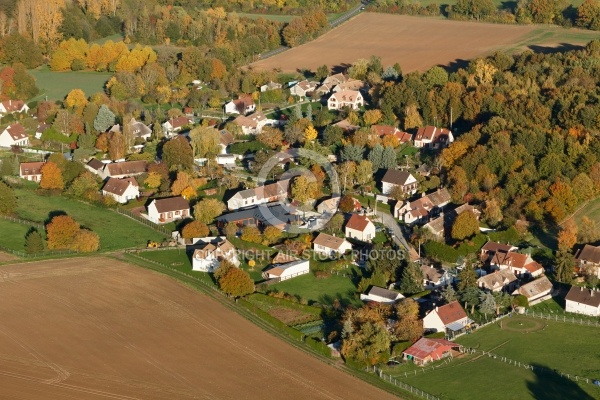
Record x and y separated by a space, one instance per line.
285 266
402 179
165 210
14 135
139 129
584 301
329 206
211 251
225 140
350 84
39 131
418 211
448 318
122 190
13 106
435 277
31 171
176 125
277 191
244 104
335 79
95 166
345 98
270 86
426 350
489 250
303 88
381 295
498 281
536 291
388 130
442 225
331 246
360 228
588 259
433 137
252 124
123 169
521 265
262 216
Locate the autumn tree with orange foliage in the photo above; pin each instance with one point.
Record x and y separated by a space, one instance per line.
194 229
61 232
85 241
76 100
51 177
567 237
236 283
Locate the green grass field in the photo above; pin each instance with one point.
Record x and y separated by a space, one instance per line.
591 210
115 230
568 348
323 291
12 235
546 35
56 85
176 259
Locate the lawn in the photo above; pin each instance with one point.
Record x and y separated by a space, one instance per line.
56 85
12 235
570 349
323 291
176 259
591 210
115 230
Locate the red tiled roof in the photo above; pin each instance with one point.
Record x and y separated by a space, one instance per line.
13 105
31 168
396 177
16 131
382 130
358 222
451 313
434 348
179 122
118 186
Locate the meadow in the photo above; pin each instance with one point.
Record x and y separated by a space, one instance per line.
56 85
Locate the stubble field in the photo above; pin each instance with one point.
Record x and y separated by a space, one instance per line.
418 43
97 328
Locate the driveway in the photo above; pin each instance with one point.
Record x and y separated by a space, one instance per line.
399 239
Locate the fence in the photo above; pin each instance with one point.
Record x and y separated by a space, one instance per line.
479 326
50 253
143 220
388 378
23 221
564 318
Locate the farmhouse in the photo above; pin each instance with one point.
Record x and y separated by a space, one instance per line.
32 171
175 125
435 277
335 79
536 291
265 215
418 210
360 228
588 259
14 135
381 295
498 281
122 190
433 137
139 129
211 252
451 317
287 267
582 300
303 88
395 178
123 169
252 124
277 191
331 246
12 106
243 105
165 210
95 166
345 98
427 350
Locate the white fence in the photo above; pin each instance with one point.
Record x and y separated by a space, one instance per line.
588 321
402 385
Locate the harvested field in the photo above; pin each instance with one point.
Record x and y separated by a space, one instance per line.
418 43
5 257
92 328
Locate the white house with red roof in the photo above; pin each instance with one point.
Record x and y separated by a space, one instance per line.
360 228
122 190
14 135
433 137
165 210
244 104
211 251
252 124
176 124
519 264
31 171
12 106
345 98
426 350
451 317
388 130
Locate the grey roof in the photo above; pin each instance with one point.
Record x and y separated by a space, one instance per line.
259 214
534 288
585 296
396 177
382 292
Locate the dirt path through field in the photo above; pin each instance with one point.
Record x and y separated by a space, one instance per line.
97 328
417 43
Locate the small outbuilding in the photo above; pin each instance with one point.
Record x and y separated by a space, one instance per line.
427 350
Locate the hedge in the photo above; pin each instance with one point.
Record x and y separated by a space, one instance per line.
399 348
319 346
420 294
271 320
436 335
263 298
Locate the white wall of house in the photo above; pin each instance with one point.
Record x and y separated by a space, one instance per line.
432 321
166 217
132 192
328 251
379 299
366 236
580 308
7 141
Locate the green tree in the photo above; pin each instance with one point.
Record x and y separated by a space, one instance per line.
467 278
206 210
8 199
412 279
104 119
449 294
230 230
376 157
388 158
564 266
177 154
33 242
205 142
465 226
470 297
487 303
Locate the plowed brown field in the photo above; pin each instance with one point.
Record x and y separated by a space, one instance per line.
416 43
96 328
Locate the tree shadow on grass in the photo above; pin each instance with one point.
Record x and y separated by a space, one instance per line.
549 385
53 214
561 48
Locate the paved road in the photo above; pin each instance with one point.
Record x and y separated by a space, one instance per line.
399 239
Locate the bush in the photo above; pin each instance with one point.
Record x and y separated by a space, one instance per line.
440 251
319 346
420 294
77 65
521 301
436 335
398 348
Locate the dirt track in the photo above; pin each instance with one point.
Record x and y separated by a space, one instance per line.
95 328
417 43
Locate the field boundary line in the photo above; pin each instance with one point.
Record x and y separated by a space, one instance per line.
564 318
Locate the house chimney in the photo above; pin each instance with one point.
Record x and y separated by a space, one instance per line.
581 289
436 309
